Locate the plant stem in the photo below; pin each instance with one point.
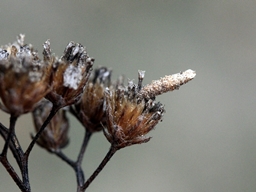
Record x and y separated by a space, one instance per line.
75 114
54 110
79 171
24 161
77 165
106 159
13 120
64 157
12 141
12 173
24 173
87 137
14 144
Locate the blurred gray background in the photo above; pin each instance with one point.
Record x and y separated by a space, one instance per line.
207 140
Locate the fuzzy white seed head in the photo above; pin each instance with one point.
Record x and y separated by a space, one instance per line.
167 83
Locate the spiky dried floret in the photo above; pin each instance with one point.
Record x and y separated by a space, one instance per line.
69 74
131 111
91 109
129 117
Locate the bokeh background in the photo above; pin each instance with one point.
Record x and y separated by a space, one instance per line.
207 140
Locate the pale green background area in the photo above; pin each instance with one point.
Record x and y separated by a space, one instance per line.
207 140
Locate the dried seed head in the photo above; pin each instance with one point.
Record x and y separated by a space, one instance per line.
131 111
69 74
167 83
128 117
23 78
90 109
55 135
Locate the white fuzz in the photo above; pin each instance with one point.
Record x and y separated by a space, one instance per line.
72 77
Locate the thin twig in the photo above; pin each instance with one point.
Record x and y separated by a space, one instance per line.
87 137
106 159
24 173
64 157
24 170
54 110
75 114
11 140
76 165
12 173
14 144
79 171
13 120
78 168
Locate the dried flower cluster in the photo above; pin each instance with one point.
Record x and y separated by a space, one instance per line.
51 86
23 78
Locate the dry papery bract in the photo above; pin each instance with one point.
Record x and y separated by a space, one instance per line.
69 74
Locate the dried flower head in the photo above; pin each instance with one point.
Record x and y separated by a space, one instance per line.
69 74
55 135
90 109
23 79
132 112
130 118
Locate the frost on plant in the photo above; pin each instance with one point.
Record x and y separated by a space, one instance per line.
72 77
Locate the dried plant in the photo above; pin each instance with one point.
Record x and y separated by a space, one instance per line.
51 87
